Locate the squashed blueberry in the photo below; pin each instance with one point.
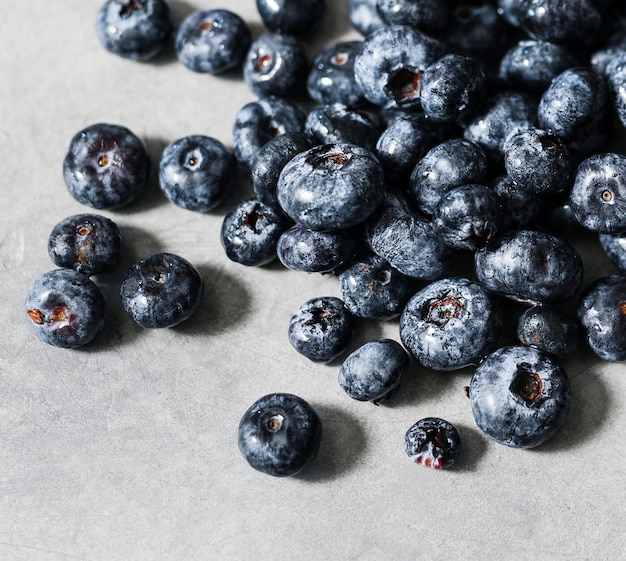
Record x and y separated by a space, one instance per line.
433 442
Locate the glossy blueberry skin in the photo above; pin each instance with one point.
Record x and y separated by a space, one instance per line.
614 245
447 165
390 63
331 76
468 217
134 29
337 124
602 313
520 396
548 329
407 241
270 160
250 232
276 65
598 194
374 370
106 166
616 82
65 308
258 122
539 161
371 288
291 16
433 442
451 323
520 207
196 172
88 243
429 16
331 187
530 266
279 434
161 290
321 329
364 16
311 251
452 88
212 41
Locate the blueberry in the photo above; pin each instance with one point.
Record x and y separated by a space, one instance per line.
331 187
364 16
258 122
321 329
337 124
311 251
291 16
65 308
212 41
279 434
548 329
616 81
602 313
520 207
519 396
161 290
250 232
196 172
134 29
598 194
276 64
88 243
530 266
433 442
451 323
106 166
614 245
374 370
371 288
426 15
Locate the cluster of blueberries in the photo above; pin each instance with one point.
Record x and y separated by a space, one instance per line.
451 130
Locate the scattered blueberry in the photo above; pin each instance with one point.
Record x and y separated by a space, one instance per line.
433 442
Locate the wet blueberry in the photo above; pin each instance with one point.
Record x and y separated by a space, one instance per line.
161 290
337 124
433 442
374 370
279 434
88 243
291 16
548 329
65 308
106 166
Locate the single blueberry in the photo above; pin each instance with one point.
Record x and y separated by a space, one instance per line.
548 329
433 442
291 16
337 124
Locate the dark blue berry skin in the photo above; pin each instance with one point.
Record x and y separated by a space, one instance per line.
433 442
291 16
451 323
511 11
134 29
331 76
548 329
520 207
429 16
65 308
88 243
250 232
364 16
616 81
468 217
614 245
539 161
331 187
212 41
270 160
311 251
530 266
450 164
452 88
407 241
321 329
374 370
520 396
532 65
389 66
106 166
279 434
602 313
161 290
598 194
258 122
371 288
276 65
337 124
196 172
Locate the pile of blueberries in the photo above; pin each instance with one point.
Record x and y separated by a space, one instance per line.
453 132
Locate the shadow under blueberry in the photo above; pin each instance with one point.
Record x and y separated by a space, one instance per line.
474 445
343 442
